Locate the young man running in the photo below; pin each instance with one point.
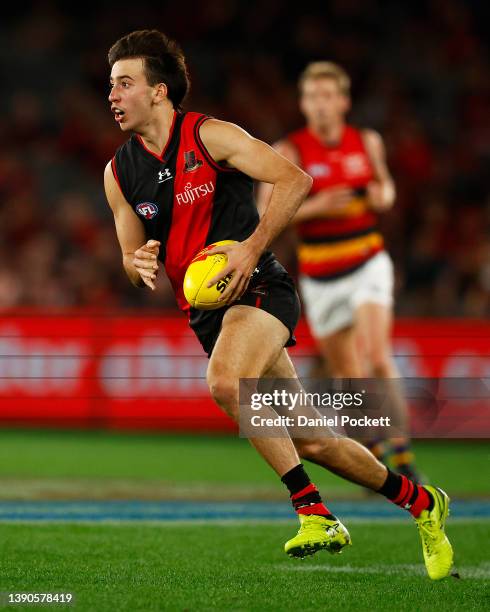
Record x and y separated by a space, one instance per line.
184 180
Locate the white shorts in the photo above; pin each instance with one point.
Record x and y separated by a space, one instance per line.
330 305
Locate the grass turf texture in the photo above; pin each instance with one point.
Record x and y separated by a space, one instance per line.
239 567
60 464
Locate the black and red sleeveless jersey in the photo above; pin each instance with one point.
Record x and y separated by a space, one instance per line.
183 197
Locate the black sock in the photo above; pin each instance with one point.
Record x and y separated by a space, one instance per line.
305 497
296 479
392 486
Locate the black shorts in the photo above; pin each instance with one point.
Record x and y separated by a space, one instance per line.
270 288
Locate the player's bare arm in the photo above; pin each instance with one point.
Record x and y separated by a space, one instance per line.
322 204
140 257
229 143
381 192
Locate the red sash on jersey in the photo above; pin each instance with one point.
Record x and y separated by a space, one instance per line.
194 191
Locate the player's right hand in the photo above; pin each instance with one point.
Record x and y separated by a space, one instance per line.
332 200
146 262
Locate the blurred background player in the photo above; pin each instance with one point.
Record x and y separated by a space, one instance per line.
346 276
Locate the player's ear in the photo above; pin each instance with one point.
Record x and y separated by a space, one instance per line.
160 92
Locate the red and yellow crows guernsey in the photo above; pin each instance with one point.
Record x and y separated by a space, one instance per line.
185 199
330 247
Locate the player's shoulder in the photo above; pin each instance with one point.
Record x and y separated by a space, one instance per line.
217 139
120 170
368 135
220 137
355 135
372 141
213 125
112 186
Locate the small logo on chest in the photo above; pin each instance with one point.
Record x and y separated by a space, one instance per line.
191 162
164 175
355 164
147 210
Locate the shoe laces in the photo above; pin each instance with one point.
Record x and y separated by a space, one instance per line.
311 522
426 528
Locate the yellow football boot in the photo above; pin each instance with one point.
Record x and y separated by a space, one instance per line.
317 533
438 552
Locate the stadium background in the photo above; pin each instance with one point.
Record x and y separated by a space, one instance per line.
84 355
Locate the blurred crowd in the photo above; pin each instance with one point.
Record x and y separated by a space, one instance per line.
420 76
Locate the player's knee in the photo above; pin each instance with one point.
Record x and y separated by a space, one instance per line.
224 391
314 450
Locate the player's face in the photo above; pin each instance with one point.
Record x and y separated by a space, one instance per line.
130 95
322 102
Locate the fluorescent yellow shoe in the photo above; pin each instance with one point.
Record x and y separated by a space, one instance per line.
438 552
317 533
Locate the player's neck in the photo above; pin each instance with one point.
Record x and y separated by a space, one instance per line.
329 134
156 132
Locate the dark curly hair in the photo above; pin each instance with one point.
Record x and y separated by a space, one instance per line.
164 61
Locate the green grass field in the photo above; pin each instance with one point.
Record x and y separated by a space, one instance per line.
228 565
238 567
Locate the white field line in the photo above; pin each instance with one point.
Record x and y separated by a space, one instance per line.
476 572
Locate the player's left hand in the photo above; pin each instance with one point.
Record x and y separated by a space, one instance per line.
242 259
376 196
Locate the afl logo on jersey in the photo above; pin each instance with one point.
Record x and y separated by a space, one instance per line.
147 210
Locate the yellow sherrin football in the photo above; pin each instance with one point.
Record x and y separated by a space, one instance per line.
201 269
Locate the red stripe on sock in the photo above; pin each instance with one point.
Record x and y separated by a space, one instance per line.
314 509
308 489
409 494
403 490
421 503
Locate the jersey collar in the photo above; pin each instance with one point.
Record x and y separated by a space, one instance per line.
165 148
328 145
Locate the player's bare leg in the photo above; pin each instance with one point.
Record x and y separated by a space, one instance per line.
373 323
240 352
249 343
340 455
